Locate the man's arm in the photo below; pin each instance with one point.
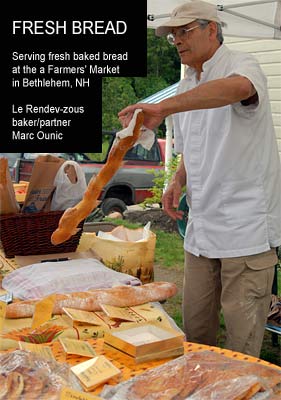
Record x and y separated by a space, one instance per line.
171 196
212 94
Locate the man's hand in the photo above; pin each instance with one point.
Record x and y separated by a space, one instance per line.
153 115
171 198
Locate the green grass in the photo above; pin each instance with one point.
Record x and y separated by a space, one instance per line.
124 222
169 249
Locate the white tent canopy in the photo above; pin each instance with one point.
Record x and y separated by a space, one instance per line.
259 19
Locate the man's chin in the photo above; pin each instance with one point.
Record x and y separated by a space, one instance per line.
184 57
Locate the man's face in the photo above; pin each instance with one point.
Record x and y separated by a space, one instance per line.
193 43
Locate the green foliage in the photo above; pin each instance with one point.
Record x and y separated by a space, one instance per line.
163 69
162 58
147 86
160 180
117 93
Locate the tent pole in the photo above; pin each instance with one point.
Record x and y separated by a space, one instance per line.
153 17
169 145
253 19
250 3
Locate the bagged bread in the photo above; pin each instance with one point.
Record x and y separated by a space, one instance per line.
41 186
8 203
42 279
70 183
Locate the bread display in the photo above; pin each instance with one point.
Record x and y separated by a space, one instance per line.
27 376
200 375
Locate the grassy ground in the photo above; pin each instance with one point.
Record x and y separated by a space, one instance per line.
169 261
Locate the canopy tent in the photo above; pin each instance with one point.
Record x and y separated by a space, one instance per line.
259 19
156 98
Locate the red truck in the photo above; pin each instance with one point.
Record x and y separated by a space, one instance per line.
130 185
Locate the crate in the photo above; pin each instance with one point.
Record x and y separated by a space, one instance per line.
26 234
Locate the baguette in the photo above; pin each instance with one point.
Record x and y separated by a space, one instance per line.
121 296
3 170
73 216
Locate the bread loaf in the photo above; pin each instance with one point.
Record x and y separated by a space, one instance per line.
120 296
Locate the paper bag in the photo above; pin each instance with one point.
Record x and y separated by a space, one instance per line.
8 203
41 186
130 251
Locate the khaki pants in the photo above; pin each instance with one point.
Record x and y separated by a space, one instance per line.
240 287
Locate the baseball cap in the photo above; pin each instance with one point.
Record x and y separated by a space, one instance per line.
189 12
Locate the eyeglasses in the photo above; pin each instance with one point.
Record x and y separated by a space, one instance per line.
182 33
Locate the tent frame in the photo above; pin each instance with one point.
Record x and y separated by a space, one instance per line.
228 9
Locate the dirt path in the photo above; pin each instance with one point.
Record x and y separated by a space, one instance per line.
173 305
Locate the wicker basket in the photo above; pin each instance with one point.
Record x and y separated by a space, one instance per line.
30 233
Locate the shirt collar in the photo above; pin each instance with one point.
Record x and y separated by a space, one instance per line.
215 58
220 52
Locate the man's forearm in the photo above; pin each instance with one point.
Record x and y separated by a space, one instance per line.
180 174
213 94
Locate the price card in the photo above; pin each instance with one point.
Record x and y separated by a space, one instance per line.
70 394
43 351
94 372
81 316
43 311
3 306
74 346
119 313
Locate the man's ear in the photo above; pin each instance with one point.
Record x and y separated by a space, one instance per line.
213 30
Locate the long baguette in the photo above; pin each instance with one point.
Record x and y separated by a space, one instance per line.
73 216
121 296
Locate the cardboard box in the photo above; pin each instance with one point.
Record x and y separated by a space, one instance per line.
145 339
147 357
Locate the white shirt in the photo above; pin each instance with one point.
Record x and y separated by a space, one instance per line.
233 167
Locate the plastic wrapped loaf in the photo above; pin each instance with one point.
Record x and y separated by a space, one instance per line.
26 375
201 376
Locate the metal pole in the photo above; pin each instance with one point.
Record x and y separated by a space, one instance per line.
253 19
250 3
153 17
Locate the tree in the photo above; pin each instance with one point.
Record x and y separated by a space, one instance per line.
117 93
162 59
163 70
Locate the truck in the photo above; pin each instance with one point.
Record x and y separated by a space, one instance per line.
130 185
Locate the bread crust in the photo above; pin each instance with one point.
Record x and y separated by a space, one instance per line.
73 216
122 296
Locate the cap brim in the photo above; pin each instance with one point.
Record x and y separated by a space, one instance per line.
172 23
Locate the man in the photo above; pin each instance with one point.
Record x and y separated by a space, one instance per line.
230 164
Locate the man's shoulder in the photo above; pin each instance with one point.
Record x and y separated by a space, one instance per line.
238 55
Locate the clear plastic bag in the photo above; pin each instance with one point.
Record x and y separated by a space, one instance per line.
77 275
27 375
70 183
200 376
